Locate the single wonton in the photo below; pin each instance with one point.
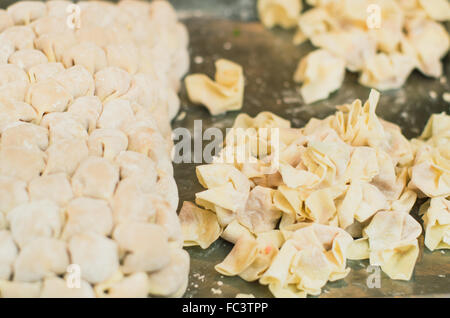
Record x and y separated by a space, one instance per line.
223 94
321 74
200 227
279 12
437 223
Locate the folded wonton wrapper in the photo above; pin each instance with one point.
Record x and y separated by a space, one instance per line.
436 221
199 227
279 12
321 74
312 256
390 241
223 94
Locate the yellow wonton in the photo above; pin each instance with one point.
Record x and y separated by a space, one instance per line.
393 245
199 227
223 94
437 224
279 12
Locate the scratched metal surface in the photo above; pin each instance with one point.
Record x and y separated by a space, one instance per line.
228 29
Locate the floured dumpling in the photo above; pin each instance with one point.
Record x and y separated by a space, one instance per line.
40 258
97 256
86 176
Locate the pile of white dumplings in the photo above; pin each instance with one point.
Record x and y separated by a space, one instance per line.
87 194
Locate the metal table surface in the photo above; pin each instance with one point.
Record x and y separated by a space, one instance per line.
229 29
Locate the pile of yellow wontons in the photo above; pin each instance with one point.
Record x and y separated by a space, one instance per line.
383 40
341 188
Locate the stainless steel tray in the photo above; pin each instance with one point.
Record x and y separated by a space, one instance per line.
228 29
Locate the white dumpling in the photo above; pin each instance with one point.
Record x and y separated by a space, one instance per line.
55 45
134 286
55 187
50 24
111 82
13 111
35 219
77 80
171 280
63 126
48 96
44 71
22 163
13 82
55 287
22 37
107 143
5 20
125 56
8 254
87 109
25 135
24 12
87 54
96 255
138 166
146 247
116 114
167 218
7 49
92 34
88 215
27 58
167 189
98 13
57 8
40 258
13 192
148 91
148 141
65 156
131 203
162 12
95 177
14 289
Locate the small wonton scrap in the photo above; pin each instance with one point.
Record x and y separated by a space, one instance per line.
393 245
436 221
321 74
279 12
199 227
225 93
